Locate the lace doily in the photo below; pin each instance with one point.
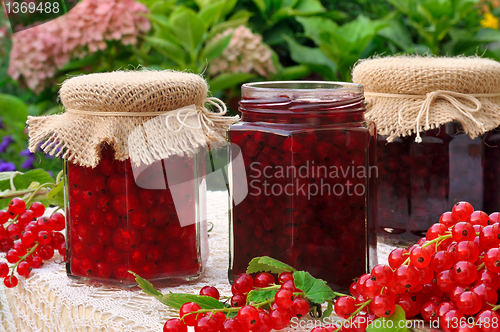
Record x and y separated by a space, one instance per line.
50 301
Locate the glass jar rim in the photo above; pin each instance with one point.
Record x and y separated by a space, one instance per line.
304 86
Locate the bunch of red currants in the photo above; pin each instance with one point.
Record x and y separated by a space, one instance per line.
29 238
450 278
273 313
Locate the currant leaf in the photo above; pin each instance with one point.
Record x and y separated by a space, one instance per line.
316 290
176 300
328 310
268 264
257 296
395 323
146 286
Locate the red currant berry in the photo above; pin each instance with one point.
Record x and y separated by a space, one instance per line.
382 275
210 291
238 300
466 251
462 211
46 252
429 311
35 261
487 294
284 277
4 269
17 206
465 273
263 280
24 269
463 231
300 307
248 316
206 324
44 237
38 209
406 276
487 321
244 283
397 257
4 217
27 217
442 260
445 281
10 281
382 306
57 221
492 260
345 306
469 303
447 220
420 257
280 318
186 308
479 218
231 325
435 231
28 238
12 256
174 325
284 299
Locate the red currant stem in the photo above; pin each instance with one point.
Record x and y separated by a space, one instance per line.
495 308
274 286
12 176
17 193
37 190
340 294
22 258
59 176
354 314
480 267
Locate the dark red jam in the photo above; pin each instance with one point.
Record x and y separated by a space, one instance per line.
308 166
119 221
419 181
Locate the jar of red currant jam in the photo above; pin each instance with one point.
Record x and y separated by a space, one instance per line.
434 148
133 145
303 155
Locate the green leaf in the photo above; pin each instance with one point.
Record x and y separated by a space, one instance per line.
188 29
316 289
56 195
262 5
268 264
230 80
328 310
308 7
169 49
176 300
7 175
318 28
215 48
397 319
24 180
313 57
14 113
397 33
146 286
257 296
212 13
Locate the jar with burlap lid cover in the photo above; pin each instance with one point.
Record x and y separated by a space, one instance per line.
434 116
133 144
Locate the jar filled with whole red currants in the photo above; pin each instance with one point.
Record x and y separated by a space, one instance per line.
301 177
436 143
133 145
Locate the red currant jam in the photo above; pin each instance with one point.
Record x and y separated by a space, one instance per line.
145 219
418 181
302 173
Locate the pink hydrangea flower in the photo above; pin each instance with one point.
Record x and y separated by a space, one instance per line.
38 53
246 53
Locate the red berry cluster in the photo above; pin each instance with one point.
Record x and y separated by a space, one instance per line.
258 317
29 238
451 277
117 223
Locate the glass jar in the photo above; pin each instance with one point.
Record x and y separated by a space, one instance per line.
307 158
147 219
491 164
419 181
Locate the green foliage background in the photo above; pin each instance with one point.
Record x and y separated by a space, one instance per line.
309 39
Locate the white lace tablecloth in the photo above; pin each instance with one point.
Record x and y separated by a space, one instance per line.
50 301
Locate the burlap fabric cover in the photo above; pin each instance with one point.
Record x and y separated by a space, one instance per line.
409 94
145 115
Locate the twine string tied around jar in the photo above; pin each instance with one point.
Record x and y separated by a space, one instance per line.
411 116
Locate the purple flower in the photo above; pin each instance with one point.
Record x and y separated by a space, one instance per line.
5 166
28 163
5 143
25 153
51 174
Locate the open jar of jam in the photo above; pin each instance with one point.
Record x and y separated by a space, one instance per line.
437 142
306 169
134 149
